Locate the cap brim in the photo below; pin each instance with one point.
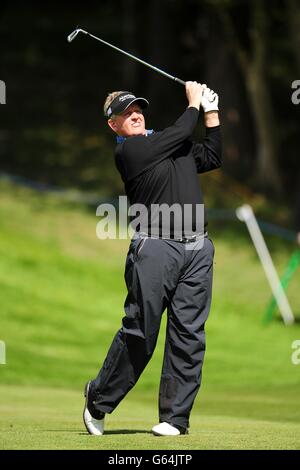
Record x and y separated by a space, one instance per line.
119 108
141 101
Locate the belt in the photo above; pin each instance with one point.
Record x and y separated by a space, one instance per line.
192 239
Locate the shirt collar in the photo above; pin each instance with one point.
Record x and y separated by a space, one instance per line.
121 139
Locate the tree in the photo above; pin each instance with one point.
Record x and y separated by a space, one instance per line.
251 52
293 19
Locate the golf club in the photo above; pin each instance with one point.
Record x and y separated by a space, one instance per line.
73 35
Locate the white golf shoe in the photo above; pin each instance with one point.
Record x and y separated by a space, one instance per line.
166 429
93 426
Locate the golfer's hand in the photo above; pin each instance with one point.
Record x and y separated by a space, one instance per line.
194 94
210 100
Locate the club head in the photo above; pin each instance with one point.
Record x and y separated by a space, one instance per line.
73 35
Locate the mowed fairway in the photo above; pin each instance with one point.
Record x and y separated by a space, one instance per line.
61 302
39 418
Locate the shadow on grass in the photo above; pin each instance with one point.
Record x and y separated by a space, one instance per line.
111 432
120 431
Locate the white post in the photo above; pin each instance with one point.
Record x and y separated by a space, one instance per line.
245 214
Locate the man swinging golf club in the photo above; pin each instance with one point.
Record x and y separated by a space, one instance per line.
172 272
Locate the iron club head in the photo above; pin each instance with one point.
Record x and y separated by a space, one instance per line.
73 34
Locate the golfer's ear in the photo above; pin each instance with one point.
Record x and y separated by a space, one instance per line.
112 124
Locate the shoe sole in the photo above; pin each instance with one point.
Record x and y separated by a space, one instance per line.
165 435
184 433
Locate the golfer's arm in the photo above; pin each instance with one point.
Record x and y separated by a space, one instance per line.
140 153
208 156
166 142
211 119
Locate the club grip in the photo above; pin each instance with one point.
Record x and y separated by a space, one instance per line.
179 81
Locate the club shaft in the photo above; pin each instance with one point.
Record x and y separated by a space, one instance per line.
165 74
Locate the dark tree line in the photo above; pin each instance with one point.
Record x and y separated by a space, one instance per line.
52 129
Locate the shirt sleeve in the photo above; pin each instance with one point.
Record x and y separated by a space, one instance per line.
140 153
208 155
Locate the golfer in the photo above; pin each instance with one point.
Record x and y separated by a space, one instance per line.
171 270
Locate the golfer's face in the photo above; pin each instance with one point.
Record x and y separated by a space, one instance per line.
129 123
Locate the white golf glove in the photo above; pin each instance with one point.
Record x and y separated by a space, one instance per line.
210 100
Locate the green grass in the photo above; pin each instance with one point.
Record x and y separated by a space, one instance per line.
61 301
45 418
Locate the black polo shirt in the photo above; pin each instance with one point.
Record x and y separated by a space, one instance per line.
161 168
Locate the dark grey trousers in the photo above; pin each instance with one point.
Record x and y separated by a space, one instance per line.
161 274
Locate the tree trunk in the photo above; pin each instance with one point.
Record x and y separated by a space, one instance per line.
253 66
293 17
234 104
293 10
256 80
267 146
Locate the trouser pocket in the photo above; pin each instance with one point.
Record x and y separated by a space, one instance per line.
139 247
